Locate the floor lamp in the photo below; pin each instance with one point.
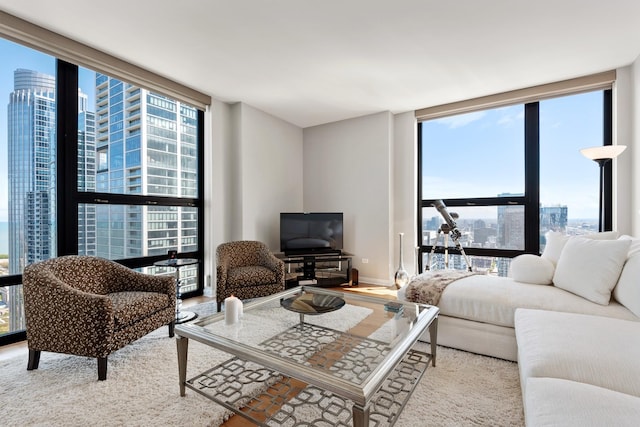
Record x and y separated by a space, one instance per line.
601 155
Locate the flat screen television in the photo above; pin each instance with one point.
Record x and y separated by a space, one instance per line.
311 233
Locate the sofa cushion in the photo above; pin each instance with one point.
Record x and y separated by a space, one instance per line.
596 350
627 291
528 268
634 247
493 299
132 306
557 402
250 276
556 240
591 268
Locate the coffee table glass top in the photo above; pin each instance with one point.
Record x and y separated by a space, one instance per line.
347 347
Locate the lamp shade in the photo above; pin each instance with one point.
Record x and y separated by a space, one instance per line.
603 152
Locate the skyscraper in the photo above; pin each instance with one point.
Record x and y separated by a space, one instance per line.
31 147
86 175
145 144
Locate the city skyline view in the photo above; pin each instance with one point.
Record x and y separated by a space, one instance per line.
130 141
481 154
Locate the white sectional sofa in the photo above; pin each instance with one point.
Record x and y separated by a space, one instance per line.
477 312
577 369
570 317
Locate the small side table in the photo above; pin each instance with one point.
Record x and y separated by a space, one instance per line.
181 316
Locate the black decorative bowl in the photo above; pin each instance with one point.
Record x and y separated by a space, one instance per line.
309 303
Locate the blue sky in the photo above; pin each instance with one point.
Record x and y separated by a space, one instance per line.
13 57
481 154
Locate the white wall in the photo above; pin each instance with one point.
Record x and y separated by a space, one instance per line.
218 187
405 188
253 169
268 172
623 101
348 168
629 110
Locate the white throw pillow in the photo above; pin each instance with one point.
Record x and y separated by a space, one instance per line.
553 246
556 240
533 269
627 291
635 244
590 268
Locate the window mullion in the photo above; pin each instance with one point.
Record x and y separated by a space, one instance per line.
532 177
607 139
67 157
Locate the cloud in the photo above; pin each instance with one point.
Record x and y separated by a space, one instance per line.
461 119
508 117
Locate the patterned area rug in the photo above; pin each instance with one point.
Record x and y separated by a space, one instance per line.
142 390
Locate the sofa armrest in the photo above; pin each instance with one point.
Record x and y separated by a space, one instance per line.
63 319
221 276
272 262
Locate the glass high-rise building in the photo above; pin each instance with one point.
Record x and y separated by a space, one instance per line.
86 175
31 150
31 118
145 144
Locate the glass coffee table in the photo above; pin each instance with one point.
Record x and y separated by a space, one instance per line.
313 356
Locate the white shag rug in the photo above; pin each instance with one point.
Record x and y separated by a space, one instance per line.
142 390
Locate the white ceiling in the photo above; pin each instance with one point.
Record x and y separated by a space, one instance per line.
313 62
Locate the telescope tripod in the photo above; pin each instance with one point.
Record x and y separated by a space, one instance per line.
446 229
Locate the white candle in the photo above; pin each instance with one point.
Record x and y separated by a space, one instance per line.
232 310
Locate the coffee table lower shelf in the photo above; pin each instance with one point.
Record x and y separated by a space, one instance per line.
268 398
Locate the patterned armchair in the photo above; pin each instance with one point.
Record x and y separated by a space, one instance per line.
247 269
89 306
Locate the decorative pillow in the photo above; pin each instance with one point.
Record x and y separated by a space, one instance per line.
627 291
533 269
603 235
635 245
590 268
554 245
556 241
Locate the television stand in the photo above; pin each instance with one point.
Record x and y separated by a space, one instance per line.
330 269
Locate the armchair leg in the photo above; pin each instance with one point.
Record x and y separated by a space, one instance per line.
102 368
219 306
172 326
34 360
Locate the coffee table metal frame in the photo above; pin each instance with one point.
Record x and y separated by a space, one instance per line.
360 394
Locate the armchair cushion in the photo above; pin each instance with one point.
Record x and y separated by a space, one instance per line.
250 276
129 307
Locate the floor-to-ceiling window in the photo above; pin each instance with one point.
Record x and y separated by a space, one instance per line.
508 175
27 172
141 198
92 165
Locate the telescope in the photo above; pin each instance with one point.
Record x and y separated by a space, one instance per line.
448 218
448 228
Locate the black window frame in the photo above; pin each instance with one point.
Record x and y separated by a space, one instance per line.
69 198
531 198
